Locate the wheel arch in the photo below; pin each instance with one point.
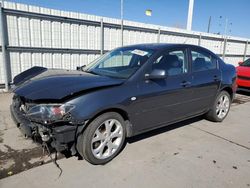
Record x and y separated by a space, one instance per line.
121 112
229 90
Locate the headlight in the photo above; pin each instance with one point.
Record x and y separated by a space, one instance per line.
48 113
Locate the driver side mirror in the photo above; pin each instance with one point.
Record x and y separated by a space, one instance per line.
80 68
156 74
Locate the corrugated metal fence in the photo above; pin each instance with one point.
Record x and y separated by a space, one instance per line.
59 39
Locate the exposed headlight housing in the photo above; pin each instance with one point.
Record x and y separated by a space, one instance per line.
49 113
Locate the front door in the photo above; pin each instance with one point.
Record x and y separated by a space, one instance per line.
162 101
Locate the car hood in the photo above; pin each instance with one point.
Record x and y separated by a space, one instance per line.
58 84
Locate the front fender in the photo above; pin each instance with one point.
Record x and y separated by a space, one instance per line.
91 104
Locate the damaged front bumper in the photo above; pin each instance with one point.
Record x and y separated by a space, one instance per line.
61 137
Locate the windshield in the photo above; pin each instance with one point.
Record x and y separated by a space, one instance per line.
246 63
119 63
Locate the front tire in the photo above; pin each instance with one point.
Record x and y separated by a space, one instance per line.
220 108
103 138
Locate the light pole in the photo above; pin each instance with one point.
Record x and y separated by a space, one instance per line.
190 15
209 24
121 22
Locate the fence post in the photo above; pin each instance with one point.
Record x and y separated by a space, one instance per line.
102 37
199 42
224 48
245 51
159 35
5 62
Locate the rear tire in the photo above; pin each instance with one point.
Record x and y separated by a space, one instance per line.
220 108
103 138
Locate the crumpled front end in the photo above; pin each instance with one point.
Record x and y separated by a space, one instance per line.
59 135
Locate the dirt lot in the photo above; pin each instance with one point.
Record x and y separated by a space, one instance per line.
193 153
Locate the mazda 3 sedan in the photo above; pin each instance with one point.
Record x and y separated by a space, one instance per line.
128 91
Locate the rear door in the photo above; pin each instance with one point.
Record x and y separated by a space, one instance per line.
206 79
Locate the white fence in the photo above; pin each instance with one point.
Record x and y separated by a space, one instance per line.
59 39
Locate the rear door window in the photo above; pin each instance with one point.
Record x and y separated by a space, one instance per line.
202 61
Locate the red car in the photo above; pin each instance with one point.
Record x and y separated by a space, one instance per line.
243 75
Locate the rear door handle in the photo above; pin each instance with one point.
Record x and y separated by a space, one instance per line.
185 83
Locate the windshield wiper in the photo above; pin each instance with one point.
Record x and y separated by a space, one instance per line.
91 72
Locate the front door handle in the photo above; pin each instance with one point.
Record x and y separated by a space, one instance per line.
185 83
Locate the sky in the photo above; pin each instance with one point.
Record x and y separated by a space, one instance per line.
171 13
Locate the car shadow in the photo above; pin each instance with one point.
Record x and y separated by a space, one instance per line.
163 129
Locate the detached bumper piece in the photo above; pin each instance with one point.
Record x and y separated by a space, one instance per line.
60 138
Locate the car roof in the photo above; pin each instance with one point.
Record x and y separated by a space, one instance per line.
161 46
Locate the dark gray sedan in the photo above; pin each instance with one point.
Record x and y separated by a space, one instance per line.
127 91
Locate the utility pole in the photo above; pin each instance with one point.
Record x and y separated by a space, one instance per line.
190 15
225 40
209 24
225 29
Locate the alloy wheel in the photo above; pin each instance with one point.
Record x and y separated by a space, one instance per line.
107 139
222 106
